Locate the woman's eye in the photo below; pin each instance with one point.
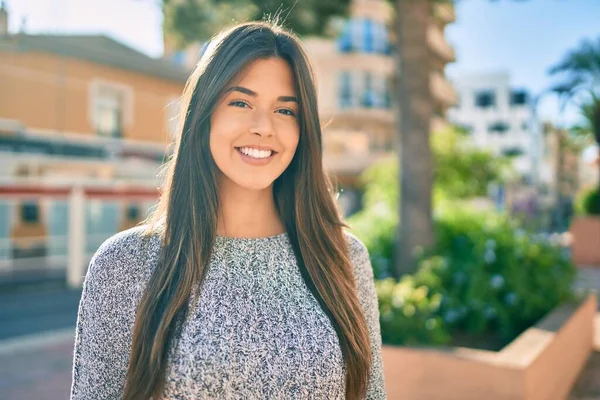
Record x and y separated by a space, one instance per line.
239 103
286 111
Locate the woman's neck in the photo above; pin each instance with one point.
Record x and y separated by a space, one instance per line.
247 213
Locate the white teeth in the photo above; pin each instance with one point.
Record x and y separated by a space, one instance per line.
255 153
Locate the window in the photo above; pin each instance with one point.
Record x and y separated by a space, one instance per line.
498 127
485 99
368 98
345 89
514 151
133 212
108 111
518 97
344 43
368 36
387 93
30 212
386 46
364 35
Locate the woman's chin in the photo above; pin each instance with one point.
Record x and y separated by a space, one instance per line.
255 185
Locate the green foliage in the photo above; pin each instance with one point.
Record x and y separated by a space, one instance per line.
376 227
381 184
409 313
189 21
376 223
579 74
588 201
591 114
462 171
484 276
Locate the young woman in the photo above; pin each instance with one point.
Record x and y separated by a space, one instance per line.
243 285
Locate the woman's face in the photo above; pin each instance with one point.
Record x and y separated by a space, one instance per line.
254 129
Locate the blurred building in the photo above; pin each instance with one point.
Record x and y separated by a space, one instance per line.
77 110
568 164
590 165
499 118
355 79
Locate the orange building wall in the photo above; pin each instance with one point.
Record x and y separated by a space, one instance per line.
46 92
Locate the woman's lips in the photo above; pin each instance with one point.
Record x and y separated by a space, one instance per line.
255 161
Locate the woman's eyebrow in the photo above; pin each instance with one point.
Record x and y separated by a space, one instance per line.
252 93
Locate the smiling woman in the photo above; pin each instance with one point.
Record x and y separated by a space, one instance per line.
256 124
243 283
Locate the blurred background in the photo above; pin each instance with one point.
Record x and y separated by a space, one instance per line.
463 138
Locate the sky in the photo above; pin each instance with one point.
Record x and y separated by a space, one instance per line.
523 38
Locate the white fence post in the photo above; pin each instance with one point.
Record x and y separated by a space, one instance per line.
77 239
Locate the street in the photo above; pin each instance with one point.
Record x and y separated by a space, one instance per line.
37 309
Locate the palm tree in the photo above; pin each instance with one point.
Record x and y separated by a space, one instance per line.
579 70
415 112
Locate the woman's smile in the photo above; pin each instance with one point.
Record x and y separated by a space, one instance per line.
255 155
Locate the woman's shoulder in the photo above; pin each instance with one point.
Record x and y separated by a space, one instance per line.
356 247
128 252
131 243
359 255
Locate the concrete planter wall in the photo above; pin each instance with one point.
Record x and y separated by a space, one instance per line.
585 233
541 364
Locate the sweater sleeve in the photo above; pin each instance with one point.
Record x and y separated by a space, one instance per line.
105 322
363 271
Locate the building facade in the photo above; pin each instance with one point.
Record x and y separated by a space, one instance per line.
499 118
78 111
355 76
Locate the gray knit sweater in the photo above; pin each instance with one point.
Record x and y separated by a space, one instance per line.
257 332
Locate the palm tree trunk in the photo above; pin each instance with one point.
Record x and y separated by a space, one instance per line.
415 113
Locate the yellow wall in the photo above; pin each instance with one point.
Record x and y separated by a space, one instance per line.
50 93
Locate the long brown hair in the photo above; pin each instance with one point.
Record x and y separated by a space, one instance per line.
186 215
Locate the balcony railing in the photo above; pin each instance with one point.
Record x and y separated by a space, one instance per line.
442 90
444 12
437 42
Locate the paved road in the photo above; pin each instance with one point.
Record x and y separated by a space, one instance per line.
37 327
37 309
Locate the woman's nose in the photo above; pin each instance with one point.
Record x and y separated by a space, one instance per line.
262 124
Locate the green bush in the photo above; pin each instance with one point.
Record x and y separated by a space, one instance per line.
410 313
376 228
377 222
588 201
484 276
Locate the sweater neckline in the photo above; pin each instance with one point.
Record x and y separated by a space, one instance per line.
251 240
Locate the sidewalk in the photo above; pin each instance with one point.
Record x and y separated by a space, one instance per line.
587 386
37 366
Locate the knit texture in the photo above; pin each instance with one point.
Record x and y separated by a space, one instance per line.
257 332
